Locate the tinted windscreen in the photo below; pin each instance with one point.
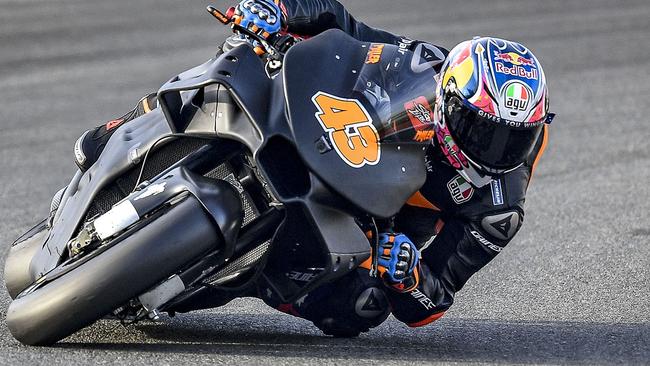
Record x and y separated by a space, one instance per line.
400 99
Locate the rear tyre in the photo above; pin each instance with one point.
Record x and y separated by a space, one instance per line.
46 314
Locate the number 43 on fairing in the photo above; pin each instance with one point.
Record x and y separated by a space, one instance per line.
350 129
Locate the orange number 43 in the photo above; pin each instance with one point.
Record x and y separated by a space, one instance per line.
350 129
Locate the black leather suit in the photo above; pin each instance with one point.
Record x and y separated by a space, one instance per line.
459 228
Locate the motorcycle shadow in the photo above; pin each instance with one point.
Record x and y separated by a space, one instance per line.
450 339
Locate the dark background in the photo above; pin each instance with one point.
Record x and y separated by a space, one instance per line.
571 288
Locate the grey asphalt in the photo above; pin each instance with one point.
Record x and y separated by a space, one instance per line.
572 288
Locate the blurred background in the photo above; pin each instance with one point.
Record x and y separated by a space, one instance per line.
573 287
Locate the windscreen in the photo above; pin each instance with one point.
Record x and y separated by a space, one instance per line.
398 94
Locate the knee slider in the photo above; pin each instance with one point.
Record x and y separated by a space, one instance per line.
368 310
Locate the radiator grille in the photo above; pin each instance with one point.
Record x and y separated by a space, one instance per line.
225 173
240 264
157 162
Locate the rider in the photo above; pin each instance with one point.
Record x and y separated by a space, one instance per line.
489 126
490 121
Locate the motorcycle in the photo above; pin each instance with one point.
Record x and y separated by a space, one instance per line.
254 163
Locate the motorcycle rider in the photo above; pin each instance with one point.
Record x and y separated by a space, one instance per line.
490 131
489 122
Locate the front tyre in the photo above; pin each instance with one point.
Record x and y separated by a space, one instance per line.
46 314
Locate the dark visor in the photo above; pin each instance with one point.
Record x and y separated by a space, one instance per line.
487 140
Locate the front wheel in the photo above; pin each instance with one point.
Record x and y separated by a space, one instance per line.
45 314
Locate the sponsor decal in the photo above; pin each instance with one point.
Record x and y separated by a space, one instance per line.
419 112
515 70
424 300
371 303
404 45
301 276
514 58
112 124
374 53
152 190
428 163
455 157
497 192
507 122
350 129
517 96
422 136
502 226
425 57
461 190
485 242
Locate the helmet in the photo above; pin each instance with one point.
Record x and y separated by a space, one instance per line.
491 106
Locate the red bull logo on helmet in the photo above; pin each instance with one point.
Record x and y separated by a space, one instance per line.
521 66
513 58
516 71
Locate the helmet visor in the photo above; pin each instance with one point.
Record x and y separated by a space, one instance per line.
487 140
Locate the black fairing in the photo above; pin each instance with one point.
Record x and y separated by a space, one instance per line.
218 198
141 134
379 189
231 98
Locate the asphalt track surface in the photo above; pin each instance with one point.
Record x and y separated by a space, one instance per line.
573 287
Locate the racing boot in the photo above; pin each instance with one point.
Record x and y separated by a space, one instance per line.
90 145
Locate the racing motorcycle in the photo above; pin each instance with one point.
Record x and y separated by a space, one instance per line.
254 163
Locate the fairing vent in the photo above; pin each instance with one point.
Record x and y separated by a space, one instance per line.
157 162
239 265
224 172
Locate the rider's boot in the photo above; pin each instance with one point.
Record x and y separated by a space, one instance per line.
90 145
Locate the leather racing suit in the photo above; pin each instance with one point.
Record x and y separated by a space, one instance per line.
458 228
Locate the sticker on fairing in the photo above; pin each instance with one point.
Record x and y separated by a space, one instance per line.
350 129
374 53
116 219
152 190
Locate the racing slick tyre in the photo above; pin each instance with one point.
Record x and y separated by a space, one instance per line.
72 298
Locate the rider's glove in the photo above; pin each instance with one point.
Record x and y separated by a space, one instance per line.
259 16
398 262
